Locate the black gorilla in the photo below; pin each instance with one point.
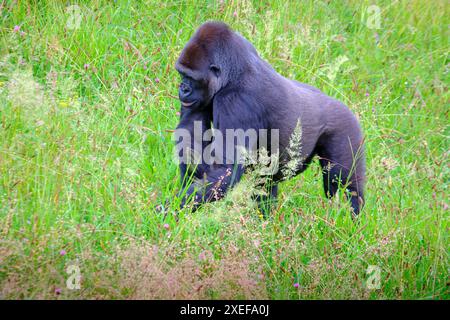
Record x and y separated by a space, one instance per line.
225 83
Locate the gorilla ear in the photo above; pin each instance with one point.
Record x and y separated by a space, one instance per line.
215 69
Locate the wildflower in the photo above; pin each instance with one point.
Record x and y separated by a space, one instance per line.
367 94
389 163
58 291
294 151
166 226
16 29
63 104
157 80
178 113
62 252
377 38
202 256
86 66
145 66
235 14
296 285
22 33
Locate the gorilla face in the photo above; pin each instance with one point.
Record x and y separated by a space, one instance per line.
197 91
192 92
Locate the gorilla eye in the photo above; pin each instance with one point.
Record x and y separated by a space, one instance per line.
215 69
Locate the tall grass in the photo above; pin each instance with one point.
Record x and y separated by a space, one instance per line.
86 154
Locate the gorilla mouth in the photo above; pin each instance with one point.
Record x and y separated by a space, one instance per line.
188 104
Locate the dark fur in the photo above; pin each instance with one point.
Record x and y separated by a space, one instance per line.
242 91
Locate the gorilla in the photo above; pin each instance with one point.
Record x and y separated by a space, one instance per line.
226 85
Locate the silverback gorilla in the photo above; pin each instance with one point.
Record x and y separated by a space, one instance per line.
226 85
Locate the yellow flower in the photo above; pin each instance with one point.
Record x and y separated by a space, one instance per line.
63 104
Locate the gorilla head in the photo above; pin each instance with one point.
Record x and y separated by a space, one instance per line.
225 82
212 57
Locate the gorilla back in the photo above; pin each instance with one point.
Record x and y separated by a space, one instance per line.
222 73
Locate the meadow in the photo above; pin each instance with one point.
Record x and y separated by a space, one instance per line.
88 104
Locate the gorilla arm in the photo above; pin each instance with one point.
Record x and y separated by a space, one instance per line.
188 118
232 113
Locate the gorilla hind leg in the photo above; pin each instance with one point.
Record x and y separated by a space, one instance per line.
334 176
330 184
344 165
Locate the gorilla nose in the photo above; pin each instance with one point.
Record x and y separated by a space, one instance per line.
184 91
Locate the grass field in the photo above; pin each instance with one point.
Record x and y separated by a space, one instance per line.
87 105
